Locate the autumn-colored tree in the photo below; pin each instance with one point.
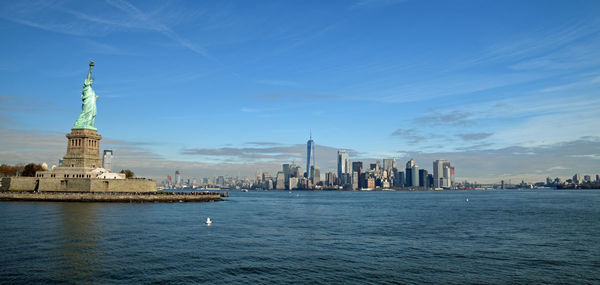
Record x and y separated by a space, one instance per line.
9 170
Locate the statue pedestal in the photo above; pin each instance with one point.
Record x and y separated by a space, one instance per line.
83 149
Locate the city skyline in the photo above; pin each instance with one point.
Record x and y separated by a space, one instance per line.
504 90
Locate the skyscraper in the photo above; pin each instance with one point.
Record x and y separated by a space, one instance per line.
280 181
423 178
177 178
415 176
389 163
315 173
409 175
107 159
287 172
344 166
357 166
441 177
310 156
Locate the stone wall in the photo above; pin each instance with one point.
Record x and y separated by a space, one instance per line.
22 183
51 184
123 185
111 197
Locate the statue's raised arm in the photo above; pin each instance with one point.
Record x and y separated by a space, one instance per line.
88 104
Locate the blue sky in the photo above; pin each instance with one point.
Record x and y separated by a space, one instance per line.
226 87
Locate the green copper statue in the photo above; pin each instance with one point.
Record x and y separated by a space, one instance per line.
88 104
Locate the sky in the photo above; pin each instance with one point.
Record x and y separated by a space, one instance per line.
503 89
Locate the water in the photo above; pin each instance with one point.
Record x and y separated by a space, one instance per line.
543 236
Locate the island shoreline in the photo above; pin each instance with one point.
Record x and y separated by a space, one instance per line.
112 197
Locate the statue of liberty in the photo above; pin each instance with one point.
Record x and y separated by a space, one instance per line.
88 104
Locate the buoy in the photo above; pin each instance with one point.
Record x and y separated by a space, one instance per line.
467 200
208 221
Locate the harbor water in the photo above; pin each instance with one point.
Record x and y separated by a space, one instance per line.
458 237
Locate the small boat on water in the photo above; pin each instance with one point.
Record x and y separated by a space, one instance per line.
208 221
244 190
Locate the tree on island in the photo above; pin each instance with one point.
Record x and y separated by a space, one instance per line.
128 173
27 170
30 169
8 171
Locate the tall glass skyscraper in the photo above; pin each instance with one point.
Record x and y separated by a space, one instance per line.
441 176
310 157
107 159
344 166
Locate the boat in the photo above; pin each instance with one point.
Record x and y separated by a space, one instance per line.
208 221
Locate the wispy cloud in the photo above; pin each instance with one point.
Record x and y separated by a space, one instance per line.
264 143
474 136
590 156
80 23
151 23
296 95
453 118
410 135
558 167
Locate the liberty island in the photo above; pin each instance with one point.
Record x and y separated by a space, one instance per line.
81 176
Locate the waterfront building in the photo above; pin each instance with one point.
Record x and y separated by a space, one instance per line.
415 176
315 174
447 180
355 180
424 178
107 159
287 173
409 173
357 166
577 179
330 178
400 180
441 179
343 161
371 183
177 178
280 182
293 183
385 184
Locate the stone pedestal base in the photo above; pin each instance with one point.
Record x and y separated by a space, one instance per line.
83 149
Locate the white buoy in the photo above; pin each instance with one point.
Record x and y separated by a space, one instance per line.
208 221
467 200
